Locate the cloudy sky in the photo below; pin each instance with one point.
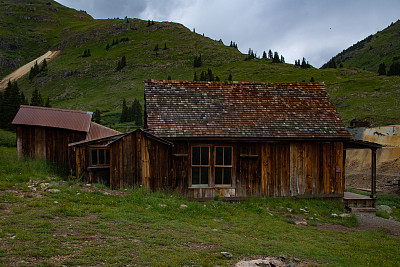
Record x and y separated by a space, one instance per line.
314 29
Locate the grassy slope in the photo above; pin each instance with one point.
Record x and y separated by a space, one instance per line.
90 83
89 225
373 50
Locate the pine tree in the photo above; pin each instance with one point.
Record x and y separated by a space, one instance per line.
124 113
382 69
108 46
197 62
230 77
282 59
156 47
36 99
195 76
165 46
332 64
270 55
148 23
276 58
312 80
264 55
137 112
394 69
44 66
123 61
210 75
47 104
22 99
169 78
9 107
217 79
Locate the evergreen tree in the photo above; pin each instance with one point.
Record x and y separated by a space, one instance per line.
165 46
124 113
332 64
152 22
44 66
276 58
304 64
22 99
382 69
264 55
123 61
230 77
270 55
210 75
169 77
9 107
217 79
108 46
197 62
36 99
156 47
312 80
148 23
137 112
282 59
394 69
47 104
195 76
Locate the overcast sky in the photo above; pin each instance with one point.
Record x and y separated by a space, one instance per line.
314 29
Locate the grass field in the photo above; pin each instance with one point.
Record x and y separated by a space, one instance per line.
91 225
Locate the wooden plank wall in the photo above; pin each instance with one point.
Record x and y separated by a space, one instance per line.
137 159
49 143
275 169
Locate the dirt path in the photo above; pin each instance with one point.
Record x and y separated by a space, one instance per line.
21 71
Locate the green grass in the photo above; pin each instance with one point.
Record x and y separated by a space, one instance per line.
82 225
7 139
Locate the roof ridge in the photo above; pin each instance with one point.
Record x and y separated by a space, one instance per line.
231 82
56 109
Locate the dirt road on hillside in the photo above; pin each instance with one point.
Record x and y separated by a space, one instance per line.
21 71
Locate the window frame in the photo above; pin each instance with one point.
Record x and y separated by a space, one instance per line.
200 166
223 166
98 149
211 167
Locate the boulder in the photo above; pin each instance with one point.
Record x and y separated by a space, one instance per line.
384 208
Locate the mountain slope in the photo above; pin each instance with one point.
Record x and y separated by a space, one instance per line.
384 46
88 83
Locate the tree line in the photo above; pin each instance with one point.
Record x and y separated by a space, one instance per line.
12 98
133 113
394 69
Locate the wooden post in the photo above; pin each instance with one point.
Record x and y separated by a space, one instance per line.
373 173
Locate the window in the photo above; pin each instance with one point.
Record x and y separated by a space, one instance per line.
200 165
223 165
211 166
99 157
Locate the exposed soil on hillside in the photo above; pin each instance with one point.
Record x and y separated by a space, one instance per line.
21 71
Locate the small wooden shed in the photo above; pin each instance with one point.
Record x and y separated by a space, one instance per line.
46 132
238 139
123 161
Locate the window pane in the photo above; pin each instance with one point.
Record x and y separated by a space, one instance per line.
227 175
107 156
218 175
94 157
101 156
196 155
204 155
219 156
227 155
195 175
204 175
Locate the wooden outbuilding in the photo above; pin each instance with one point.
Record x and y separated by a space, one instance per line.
126 160
238 139
46 132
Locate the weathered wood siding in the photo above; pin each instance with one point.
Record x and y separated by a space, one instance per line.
48 143
275 169
137 159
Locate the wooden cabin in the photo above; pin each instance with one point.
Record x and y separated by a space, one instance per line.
46 132
238 139
126 160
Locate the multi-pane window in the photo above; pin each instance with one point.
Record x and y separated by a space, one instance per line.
99 157
223 165
200 165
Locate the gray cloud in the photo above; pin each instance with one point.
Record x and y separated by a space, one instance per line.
314 29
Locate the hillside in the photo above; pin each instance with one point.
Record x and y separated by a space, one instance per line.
87 83
384 46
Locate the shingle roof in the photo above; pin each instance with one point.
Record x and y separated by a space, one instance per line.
51 117
185 109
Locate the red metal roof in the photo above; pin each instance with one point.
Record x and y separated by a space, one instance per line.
97 131
52 117
186 109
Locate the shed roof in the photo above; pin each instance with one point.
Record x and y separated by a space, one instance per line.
52 117
186 109
97 131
